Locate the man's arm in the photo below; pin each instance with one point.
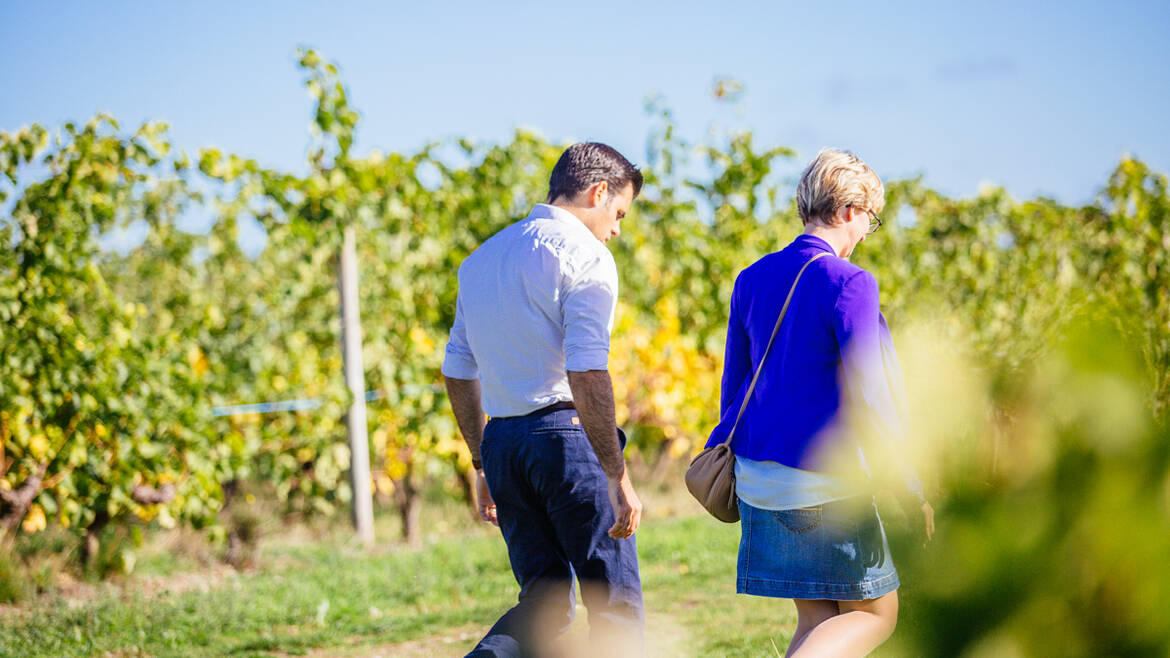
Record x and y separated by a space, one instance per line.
593 397
465 403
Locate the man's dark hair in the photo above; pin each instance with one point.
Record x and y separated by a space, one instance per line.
586 163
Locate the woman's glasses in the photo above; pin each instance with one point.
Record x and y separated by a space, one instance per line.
875 222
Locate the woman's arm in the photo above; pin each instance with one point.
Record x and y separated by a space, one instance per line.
866 383
737 358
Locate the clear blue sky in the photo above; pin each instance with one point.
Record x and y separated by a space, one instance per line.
1043 99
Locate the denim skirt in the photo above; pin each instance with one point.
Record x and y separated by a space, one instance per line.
836 551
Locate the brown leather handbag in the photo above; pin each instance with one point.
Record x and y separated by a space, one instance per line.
711 475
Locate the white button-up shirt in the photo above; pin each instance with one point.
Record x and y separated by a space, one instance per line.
536 299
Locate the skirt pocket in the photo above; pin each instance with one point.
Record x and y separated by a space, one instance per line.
799 521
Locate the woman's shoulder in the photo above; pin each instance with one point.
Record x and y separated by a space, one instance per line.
765 265
839 283
830 272
839 271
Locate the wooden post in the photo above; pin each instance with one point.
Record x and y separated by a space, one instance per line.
351 340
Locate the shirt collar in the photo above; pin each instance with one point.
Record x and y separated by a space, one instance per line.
804 239
549 211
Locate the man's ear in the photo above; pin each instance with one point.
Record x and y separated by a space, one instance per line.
597 193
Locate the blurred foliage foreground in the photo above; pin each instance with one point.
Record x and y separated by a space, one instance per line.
1045 442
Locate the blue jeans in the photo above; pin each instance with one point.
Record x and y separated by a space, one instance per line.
553 506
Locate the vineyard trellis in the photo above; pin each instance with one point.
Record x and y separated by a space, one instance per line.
111 364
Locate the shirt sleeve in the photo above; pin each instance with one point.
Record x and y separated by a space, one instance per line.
868 382
588 303
459 361
737 358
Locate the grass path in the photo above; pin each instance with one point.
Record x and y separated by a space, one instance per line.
326 598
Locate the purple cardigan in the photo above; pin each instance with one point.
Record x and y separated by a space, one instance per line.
833 334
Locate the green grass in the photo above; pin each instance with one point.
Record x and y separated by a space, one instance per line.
327 597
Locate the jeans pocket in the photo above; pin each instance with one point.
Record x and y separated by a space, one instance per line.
799 521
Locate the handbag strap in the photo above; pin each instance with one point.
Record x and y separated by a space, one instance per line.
760 368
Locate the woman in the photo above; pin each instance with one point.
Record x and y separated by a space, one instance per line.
811 532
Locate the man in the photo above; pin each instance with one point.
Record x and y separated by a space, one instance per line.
530 347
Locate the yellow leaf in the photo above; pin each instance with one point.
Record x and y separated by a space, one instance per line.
38 446
396 470
383 483
197 360
35 520
422 341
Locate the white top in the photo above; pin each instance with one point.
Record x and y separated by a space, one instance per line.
536 299
774 486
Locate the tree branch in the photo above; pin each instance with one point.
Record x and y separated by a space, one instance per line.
147 495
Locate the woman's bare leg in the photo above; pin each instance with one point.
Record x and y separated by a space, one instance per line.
808 615
859 628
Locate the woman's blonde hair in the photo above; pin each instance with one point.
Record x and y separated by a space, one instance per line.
834 179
